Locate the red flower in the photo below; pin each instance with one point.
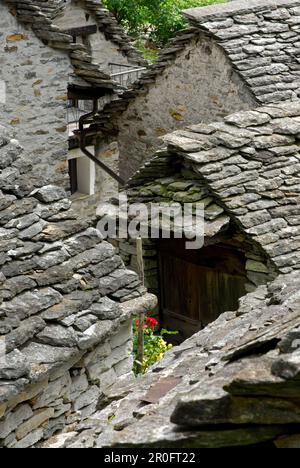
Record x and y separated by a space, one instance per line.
151 322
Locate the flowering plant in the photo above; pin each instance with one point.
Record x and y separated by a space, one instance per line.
150 323
155 346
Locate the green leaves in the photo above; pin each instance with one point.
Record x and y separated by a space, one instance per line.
167 332
158 19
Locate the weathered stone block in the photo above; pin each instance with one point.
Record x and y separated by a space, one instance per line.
124 367
107 380
34 422
87 398
14 420
49 193
79 385
123 335
55 390
30 440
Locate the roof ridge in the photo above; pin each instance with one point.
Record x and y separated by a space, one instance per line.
260 39
237 6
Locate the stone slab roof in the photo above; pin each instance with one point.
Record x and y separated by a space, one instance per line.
261 38
250 164
235 383
37 15
164 183
63 289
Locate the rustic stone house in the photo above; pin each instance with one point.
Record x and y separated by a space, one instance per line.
58 74
66 297
66 306
244 171
235 383
235 56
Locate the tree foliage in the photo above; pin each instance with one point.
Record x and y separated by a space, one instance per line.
159 19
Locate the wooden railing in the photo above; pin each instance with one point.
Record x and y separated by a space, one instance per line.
125 75
75 110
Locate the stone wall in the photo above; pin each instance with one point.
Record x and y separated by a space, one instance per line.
67 397
35 108
66 305
36 79
199 86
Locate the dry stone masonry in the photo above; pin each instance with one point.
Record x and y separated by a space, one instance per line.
236 383
67 298
66 306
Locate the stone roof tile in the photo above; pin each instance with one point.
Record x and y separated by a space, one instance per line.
51 271
261 39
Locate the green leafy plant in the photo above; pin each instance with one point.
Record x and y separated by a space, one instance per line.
155 346
158 19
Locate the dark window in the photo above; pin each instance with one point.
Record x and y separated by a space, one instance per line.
73 175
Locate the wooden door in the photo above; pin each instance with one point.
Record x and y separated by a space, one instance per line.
197 286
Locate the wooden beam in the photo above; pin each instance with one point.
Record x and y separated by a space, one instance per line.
88 92
75 144
81 31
